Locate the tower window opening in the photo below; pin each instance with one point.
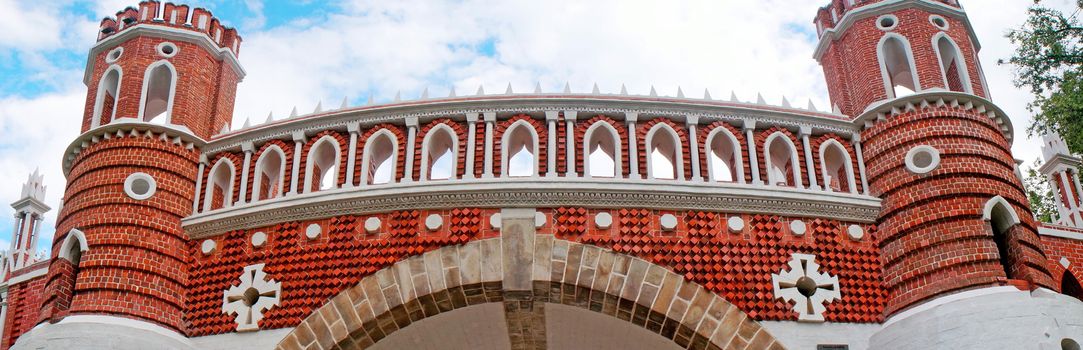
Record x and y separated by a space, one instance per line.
664 153
380 154
440 153
105 104
158 89
1070 286
271 170
952 65
836 168
723 157
519 154
1002 221
602 151
323 165
781 161
900 77
220 188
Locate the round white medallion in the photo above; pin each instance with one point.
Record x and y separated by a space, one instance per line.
433 222
668 221
140 186
856 232
114 54
603 220
922 159
539 219
313 231
259 239
208 246
798 227
494 221
372 225
736 224
167 49
887 22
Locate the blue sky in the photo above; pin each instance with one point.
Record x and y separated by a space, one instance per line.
300 53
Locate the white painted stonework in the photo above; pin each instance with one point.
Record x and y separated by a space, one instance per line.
372 225
313 231
99 332
824 287
249 299
208 247
735 224
603 220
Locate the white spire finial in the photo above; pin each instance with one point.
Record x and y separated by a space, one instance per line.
34 187
707 94
247 124
537 88
653 92
595 90
623 90
225 129
270 117
452 92
345 103
567 88
733 97
293 113
785 102
425 93
508 91
481 90
811 106
759 99
319 107
680 93
398 96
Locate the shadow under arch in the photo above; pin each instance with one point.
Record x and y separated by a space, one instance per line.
559 272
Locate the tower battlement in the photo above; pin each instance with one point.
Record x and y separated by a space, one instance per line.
830 15
174 16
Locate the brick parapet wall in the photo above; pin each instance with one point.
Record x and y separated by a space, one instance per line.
23 301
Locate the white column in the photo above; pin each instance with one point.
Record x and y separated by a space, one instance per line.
471 144
569 122
411 127
3 310
1072 172
298 142
750 126
1062 211
693 143
28 226
551 148
630 119
860 163
199 184
1073 207
248 148
805 131
15 232
32 248
490 119
351 159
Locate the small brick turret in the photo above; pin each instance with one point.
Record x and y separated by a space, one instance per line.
955 215
163 64
160 80
30 210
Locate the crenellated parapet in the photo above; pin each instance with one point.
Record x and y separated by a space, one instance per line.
832 14
180 17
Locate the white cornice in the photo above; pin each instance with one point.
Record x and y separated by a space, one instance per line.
536 192
459 108
165 32
933 98
884 7
39 206
29 275
130 127
1053 231
1060 161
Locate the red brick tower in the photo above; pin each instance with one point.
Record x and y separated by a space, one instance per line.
161 79
954 213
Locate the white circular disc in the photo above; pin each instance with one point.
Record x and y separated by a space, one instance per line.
372 225
603 220
259 239
668 221
736 224
433 222
798 227
313 231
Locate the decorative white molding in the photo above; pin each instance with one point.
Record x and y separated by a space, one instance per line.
536 192
130 184
131 127
935 98
851 17
168 33
807 287
249 299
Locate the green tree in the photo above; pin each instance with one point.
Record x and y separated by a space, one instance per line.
1042 202
1048 61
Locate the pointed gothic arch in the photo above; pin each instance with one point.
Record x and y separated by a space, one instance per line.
781 161
1002 217
836 167
663 145
724 153
602 151
159 89
953 67
440 153
519 150
220 181
379 158
270 173
107 99
897 66
322 165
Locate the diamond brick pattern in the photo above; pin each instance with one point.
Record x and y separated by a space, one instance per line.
570 222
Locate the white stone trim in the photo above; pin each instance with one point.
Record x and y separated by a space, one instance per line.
678 150
1053 231
160 49
934 17
950 298
257 183
426 149
848 164
29 275
987 212
794 160
129 183
739 168
172 91
168 33
883 63
934 98
964 69
894 22
116 51
310 161
618 144
505 157
100 98
934 162
74 236
227 198
366 156
851 17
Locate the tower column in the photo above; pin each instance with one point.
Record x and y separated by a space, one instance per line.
569 143
471 144
248 148
298 142
551 148
630 119
351 158
411 148
693 145
812 183
750 126
490 118
856 139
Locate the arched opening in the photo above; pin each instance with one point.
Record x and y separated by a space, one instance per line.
441 153
1002 218
520 149
159 85
664 157
322 169
836 168
602 152
952 64
220 186
71 251
1070 286
270 171
781 156
1068 344
379 158
105 104
724 161
897 66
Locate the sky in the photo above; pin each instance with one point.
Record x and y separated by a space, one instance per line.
302 53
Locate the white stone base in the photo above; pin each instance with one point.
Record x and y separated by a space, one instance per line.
109 332
802 335
989 318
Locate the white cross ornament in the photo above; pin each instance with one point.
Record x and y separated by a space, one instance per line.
251 298
807 287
